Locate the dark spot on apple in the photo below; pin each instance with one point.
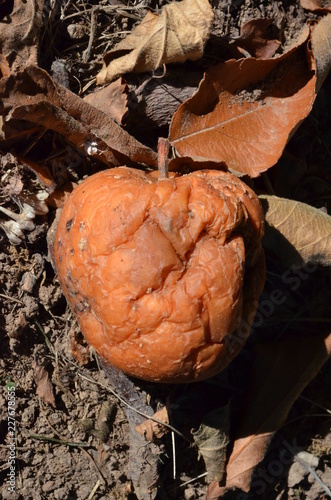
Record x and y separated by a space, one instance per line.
69 224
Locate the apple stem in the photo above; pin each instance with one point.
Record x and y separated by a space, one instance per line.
163 150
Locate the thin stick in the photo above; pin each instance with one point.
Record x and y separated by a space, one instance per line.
173 443
163 150
94 15
313 472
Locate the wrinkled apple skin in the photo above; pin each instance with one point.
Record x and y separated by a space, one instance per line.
164 276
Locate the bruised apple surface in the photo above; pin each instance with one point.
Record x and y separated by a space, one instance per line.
164 276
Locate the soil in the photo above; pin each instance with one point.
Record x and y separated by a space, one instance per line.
73 435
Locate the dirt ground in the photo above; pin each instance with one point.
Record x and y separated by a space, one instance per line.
77 445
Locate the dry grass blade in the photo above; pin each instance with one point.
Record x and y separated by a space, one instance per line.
59 441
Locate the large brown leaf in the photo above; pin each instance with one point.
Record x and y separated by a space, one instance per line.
178 34
281 370
31 101
245 111
297 232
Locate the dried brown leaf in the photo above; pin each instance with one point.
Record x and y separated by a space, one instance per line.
256 39
44 384
321 45
178 34
32 102
299 233
281 370
316 5
20 32
79 348
245 111
42 173
111 100
212 439
152 430
153 102
4 67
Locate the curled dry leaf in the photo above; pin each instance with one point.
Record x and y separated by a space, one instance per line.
102 425
178 34
212 439
299 232
41 171
32 102
111 100
281 370
256 39
44 384
245 111
153 103
79 349
321 45
152 430
19 33
318 5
